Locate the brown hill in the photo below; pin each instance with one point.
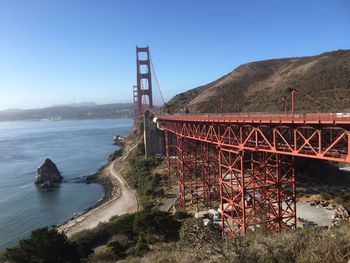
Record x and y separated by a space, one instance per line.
322 83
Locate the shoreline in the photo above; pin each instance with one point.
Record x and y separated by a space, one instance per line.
119 199
110 188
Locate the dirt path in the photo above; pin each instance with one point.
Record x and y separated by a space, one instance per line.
124 202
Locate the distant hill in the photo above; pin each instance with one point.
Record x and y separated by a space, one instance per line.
80 104
322 83
76 112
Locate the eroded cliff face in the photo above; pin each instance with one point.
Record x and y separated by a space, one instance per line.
48 174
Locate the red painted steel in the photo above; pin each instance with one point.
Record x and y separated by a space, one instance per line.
245 161
167 151
209 172
322 118
293 101
320 136
257 192
252 159
197 173
144 81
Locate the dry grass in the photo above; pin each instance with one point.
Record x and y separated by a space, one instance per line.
260 86
164 257
304 246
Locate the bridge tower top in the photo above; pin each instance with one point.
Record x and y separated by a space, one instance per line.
143 99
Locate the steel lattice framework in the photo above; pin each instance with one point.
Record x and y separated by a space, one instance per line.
247 162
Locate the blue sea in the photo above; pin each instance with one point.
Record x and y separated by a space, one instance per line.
78 148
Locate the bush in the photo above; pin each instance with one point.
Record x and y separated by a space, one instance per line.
205 241
121 225
326 196
99 235
140 228
156 222
146 184
306 245
329 246
44 245
141 245
180 215
116 248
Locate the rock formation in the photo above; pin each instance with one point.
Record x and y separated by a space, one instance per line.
48 174
119 140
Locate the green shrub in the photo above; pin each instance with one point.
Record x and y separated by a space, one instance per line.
116 248
141 245
146 184
121 225
156 222
44 245
326 196
102 232
179 215
141 228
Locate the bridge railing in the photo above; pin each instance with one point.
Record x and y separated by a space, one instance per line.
264 117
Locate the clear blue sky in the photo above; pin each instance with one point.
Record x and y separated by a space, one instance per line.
55 52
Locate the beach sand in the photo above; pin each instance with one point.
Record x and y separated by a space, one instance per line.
123 201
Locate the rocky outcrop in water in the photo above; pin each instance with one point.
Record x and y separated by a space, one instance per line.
119 140
48 174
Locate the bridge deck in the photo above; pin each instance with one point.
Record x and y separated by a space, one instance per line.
321 136
324 118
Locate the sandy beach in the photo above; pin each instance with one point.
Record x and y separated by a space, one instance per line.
123 201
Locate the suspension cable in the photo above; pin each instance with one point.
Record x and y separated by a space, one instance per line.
155 76
314 99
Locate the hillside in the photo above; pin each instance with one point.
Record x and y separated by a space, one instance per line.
75 112
322 83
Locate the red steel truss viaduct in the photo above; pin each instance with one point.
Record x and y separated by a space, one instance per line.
247 162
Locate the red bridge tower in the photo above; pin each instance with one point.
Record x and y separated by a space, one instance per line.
143 89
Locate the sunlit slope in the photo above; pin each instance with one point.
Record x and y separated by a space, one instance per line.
322 83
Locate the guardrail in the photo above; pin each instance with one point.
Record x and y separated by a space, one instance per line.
312 118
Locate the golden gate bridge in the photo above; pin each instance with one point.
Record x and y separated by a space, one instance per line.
243 163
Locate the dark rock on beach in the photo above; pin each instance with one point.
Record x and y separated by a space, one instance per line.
48 174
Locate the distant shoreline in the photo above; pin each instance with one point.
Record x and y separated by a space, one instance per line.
66 112
69 119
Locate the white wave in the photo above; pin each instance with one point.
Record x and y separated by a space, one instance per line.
24 186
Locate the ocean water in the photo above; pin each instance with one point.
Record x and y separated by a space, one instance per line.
77 147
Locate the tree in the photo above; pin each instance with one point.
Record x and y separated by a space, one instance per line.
44 245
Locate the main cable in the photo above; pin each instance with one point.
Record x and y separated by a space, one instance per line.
155 76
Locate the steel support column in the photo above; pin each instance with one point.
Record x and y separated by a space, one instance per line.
232 192
170 150
208 165
197 171
180 170
190 181
257 191
274 189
